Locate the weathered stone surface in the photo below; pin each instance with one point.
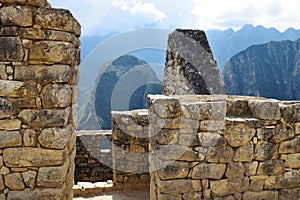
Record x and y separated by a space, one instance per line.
290 179
265 151
1 161
244 153
174 170
235 170
208 171
265 133
192 196
7 109
220 154
30 138
2 186
10 124
238 133
14 181
4 170
18 89
58 19
297 128
2 197
212 125
55 138
11 49
293 161
271 167
29 178
226 187
282 132
166 136
291 194
52 51
45 117
189 139
41 73
291 112
291 146
176 152
52 176
167 107
24 102
32 157
179 186
263 109
257 186
16 16
266 195
37 3
169 196
56 96
38 193
3 74
208 139
10 139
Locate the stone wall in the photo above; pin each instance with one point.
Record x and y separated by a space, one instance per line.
93 161
222 147
190 66
39 57
130 149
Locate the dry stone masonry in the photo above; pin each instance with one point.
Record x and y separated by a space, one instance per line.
190 67
130 149
224 147
39 58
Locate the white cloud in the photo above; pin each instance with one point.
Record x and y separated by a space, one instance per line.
105 16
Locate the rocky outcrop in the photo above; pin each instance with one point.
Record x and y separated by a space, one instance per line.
269 70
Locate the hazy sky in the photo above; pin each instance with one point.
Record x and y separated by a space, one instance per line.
100 17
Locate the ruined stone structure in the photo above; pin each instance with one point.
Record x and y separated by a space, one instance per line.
93 161
224 147
130 149
190 66
39 58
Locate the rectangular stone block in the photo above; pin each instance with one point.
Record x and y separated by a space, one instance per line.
229 186
37 193
179 186
208 171
11 49
52 177
266 195
18 89
7 109
297 128
265 109
10 124
3 74
10 139
290 179
293 161
42 73
32 157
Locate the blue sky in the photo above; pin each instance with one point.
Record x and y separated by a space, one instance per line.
100 17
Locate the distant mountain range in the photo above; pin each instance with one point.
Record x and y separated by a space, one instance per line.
122 84
269 70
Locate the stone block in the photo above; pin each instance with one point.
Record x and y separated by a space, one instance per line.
10 124
16 16
174 170
282 132
290 112
220 154
265 133
271 167
238 133
179 186
10 139
208 139
293 161
257 186
265 151
14 181
2 197
52 51
166 107
291 194
166 136
36 3
244 153
7 109
52 177
45 117
29 178
32 157
297 128
37 193
1 161
24 102
57 19
210 125
266 195
169 196
11 49
2 186
55 138
235 170
290 146
18 89
30 138
176 152
41 73
290 179
188 139
208 171
56 96
229 186
3 74
265 109
192 196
